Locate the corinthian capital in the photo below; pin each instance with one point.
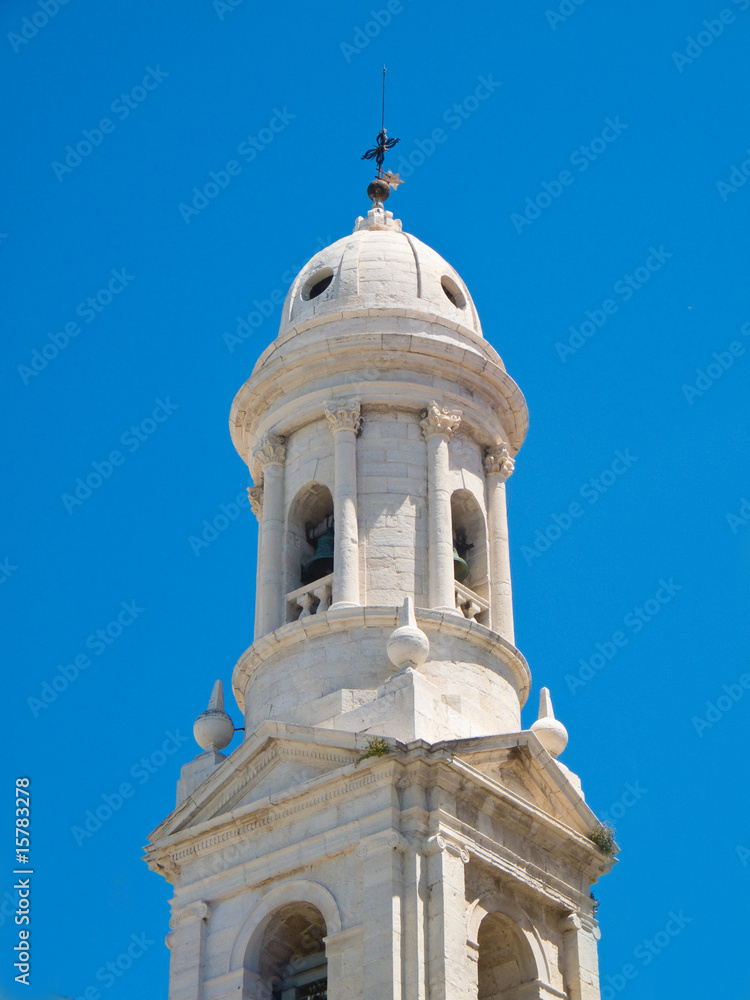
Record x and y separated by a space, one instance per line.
497 462
440 420
255 496
343 415
270 451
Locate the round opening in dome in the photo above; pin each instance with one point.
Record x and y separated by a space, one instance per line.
453 292
317 284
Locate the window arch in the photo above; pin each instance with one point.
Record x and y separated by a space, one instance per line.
470 542
309 517
505 961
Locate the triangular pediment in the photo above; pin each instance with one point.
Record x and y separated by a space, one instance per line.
276 759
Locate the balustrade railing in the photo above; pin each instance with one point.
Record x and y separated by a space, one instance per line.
471 605
312 599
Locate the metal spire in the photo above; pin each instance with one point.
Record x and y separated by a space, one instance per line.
381 186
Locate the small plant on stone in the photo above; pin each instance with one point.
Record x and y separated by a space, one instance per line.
376 747
604 838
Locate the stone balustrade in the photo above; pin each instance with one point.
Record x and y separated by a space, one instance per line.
312 599
471 605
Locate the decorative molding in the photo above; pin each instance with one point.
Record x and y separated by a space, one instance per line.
432 845
497 462
193 911
439 420
570 922
271 451
255 496
385 840
344 415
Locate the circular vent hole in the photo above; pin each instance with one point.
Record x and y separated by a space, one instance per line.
316 285
453 292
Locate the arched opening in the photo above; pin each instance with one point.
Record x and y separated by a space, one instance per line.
291 959
308 546
471 561
505 959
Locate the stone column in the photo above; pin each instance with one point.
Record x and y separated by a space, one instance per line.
186 941
498 465
448 967
438 426
269 457
381 861
345 422
580 959
255 496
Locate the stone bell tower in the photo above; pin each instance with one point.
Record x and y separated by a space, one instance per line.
386 830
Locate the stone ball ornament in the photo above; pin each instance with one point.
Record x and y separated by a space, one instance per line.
214 729
551 733
407 646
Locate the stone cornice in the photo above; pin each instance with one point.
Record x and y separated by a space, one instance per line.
293 633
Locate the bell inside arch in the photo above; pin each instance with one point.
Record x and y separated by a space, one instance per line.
461 548
320 564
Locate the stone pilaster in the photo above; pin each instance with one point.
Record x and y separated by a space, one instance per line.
448 964
438 425
345 421
381 862
580 957
187 941
269 458
498 466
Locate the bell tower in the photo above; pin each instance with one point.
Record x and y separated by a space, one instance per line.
386 830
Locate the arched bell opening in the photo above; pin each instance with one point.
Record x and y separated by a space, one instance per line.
505 960
470 556
288 960
308 551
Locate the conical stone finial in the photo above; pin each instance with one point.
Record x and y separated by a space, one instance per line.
408 646
214 729
551 734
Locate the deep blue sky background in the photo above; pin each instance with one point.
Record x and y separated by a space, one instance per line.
162 337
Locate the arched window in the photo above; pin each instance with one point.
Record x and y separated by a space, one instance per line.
505 959
309 540
470 545
292 962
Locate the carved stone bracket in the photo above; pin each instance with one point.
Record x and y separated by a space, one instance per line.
255 496
441 843
497 462
343 415
439 420
271 451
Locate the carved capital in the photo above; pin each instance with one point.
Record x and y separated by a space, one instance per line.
385 841
570 922
193 911
439 420
343 415
271 451
433 845
255 496
497 462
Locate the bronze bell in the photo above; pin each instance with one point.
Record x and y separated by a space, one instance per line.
321 563
460 566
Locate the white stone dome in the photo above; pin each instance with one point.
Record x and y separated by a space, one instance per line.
379 267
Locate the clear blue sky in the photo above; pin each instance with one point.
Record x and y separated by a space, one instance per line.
646 139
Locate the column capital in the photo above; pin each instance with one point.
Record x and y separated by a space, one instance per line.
270 451
193 911
439 420
255 496
439 843
343 415
497 461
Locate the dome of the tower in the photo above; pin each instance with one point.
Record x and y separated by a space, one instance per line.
379 268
